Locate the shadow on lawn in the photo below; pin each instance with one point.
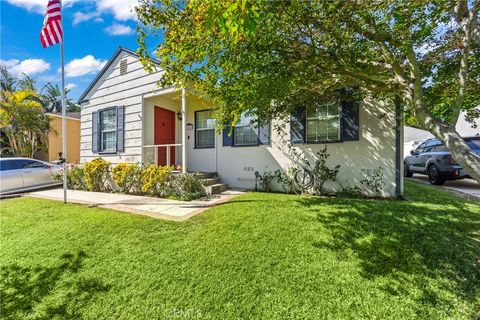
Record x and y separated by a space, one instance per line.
407 242
47 292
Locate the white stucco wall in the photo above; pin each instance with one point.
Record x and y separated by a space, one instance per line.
376 148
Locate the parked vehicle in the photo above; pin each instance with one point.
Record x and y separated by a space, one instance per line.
24 174
433 159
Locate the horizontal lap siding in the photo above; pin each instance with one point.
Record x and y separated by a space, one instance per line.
112 90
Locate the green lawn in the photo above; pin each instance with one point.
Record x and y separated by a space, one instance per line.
259 256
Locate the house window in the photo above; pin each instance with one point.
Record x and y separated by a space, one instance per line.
323 123
108 130
245 133
204 129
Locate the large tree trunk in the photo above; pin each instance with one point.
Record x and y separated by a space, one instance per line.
459 150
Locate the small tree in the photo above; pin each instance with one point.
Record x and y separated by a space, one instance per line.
24 122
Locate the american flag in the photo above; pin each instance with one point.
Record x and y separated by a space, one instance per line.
51 33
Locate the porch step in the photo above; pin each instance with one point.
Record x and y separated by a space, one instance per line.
212 181
216 188
206 175
213 184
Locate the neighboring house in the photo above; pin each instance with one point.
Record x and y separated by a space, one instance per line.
55 138
125 117
413 136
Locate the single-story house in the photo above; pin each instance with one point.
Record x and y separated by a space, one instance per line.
54 143
126 117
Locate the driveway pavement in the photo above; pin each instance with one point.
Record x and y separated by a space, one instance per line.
149 206
466 186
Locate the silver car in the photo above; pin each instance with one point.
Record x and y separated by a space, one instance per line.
24 174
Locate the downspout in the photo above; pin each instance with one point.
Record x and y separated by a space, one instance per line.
398 148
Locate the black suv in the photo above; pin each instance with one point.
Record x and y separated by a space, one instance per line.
433 159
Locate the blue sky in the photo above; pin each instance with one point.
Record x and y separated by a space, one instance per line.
93 31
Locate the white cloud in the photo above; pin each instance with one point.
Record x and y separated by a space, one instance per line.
28 66
121 9
70 86
79 17
83 66
38 6
119 30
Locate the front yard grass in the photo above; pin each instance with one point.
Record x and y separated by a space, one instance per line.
259 256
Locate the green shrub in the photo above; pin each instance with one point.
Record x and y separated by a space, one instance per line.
188 186
128 177
157 181
322 172
266 180
96 174
75 177
374 181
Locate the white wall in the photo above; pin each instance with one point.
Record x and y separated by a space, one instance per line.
375 148
114 89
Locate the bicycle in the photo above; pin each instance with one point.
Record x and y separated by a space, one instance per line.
303 179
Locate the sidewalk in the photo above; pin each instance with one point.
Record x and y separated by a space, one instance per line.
149 206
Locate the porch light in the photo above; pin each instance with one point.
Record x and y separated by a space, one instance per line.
179 115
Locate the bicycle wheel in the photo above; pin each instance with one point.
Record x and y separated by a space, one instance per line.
303 179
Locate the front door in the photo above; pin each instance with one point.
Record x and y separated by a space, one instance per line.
164 134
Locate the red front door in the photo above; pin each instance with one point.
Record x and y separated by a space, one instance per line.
164 134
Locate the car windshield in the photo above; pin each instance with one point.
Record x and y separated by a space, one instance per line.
473 144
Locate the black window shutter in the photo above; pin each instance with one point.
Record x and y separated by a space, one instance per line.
95 136
351 123
264 134
297 125
120 128
227 139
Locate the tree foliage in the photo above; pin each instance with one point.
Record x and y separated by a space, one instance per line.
24 123
265 57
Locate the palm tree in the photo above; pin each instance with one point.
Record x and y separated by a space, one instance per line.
27 83
52 99
7 81
24 122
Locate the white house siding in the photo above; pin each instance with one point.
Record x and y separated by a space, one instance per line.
114 89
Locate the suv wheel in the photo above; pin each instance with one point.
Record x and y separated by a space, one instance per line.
434 176
406 172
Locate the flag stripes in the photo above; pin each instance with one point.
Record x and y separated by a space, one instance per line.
52 33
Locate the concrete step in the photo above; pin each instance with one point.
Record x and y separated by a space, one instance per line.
216 188
212 181
206 175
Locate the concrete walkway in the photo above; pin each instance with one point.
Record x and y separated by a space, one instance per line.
149 206
468 187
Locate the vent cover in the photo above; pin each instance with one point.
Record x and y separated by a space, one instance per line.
123 67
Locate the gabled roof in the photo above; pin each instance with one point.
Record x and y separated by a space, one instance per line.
106 67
